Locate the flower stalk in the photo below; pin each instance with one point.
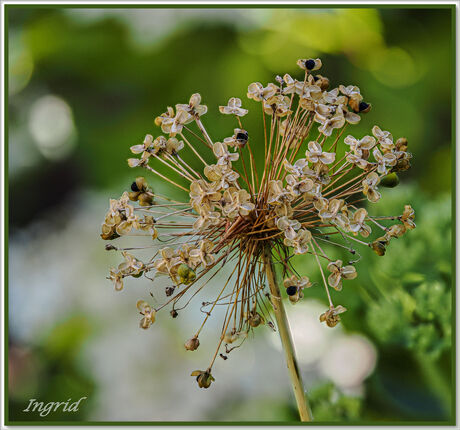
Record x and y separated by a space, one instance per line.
286 340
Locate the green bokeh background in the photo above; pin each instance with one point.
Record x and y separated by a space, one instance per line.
113 71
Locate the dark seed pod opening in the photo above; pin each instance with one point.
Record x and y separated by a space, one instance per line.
310 64
242 136
134 187
291 290
364 107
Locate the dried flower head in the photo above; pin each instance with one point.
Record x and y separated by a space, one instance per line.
231 214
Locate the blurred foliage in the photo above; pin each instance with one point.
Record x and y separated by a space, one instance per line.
60 376
414 308
329 404
115 87
117 69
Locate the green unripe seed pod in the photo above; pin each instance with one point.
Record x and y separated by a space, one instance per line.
390 181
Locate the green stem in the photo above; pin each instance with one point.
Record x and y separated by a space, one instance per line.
286 340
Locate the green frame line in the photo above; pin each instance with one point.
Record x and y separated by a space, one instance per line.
133 5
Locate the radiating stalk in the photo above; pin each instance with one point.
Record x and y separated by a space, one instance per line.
286 340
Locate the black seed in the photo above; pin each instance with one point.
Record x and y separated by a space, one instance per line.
353 251
242 136
315 78
174 313
310 64
363 106
134 187
291 290
169 291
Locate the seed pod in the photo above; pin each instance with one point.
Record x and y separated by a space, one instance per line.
310 64
401 144
379 246
322 82
390 181
133 195
296 297
109 232
186 274
397 230
174 313
204 378
230 337
192 344
134 187
145 199
330 319
364 107
169 291
354 101
401 166
242 138
255 319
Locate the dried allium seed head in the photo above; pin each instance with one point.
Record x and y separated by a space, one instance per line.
307 199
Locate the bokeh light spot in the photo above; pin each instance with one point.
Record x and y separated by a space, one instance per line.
52 127
394 67
20 65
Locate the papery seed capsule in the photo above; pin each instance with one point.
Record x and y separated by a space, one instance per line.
322 82
145 199
379 247
401 166
134 195
242 138
186 274
145 323
109 232
255 320
183 270
401 144
396 230
204 379
141 183
296 297
390 181
364 107
192 344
